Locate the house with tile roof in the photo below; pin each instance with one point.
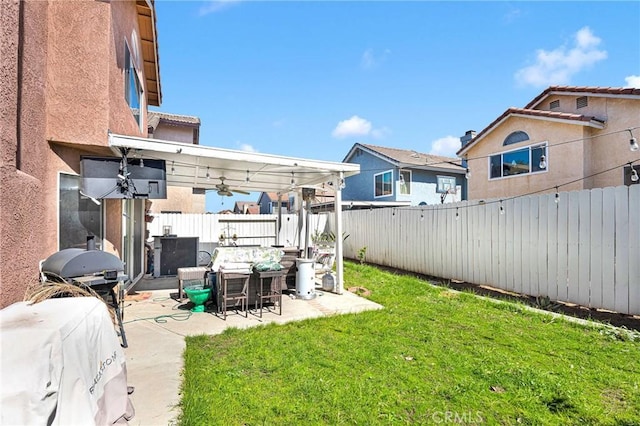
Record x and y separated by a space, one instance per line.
401 177
246 207
565 139
184 129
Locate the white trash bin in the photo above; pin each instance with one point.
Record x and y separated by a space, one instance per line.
305 279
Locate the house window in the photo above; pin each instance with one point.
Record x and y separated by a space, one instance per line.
78 215
516 137
446 184
581 102
133 88
383 184
521 161
554 104
405 182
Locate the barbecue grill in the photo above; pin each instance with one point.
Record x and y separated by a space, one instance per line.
95 269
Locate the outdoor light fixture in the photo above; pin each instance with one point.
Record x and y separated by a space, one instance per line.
293 182
634 174
557 198
467 173
173 169
208 175
342 184
501 208
633 143
457 214
543 162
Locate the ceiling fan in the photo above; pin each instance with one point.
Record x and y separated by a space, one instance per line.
224 190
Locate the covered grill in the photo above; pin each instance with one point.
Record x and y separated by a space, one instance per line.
95 269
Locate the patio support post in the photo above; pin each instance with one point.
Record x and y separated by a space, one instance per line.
300 225
279 219
338 212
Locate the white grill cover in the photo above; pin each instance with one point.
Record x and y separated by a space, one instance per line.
62 364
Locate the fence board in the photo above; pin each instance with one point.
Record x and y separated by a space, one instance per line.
595 247
526 254
584 248
534 243
541 267
608 247
563 243
573 253
622 249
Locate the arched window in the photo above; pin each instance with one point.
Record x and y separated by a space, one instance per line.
516 137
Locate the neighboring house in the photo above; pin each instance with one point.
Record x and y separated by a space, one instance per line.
268 202
572 138
391 176
71 73
246 207
178 128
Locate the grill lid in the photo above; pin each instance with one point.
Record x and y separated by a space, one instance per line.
76 262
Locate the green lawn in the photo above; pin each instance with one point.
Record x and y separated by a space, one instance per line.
431 356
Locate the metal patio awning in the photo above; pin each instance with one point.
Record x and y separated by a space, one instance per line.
198 166
188 165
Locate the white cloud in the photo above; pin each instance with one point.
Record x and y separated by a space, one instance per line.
380 133
447 146
354 126
246 147
632 81
558 66
358 126
214 6
371 60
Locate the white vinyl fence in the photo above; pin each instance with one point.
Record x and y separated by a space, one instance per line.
247 229
584 249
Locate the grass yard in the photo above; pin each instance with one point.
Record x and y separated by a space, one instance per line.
431 356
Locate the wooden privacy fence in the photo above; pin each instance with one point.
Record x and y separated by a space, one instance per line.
248 229
582 249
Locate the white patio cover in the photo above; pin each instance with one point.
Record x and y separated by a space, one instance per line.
62 364
188 165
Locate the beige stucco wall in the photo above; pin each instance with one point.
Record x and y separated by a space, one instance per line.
579 150
564 161
179 200
58 100
174 133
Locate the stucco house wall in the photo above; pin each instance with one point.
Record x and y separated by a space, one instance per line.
174 133
23 213
61 91
565 162
360 187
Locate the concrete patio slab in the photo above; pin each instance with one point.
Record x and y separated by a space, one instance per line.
156 325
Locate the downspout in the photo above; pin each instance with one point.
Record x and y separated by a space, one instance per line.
338 216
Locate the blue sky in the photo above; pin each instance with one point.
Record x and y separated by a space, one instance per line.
309 79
